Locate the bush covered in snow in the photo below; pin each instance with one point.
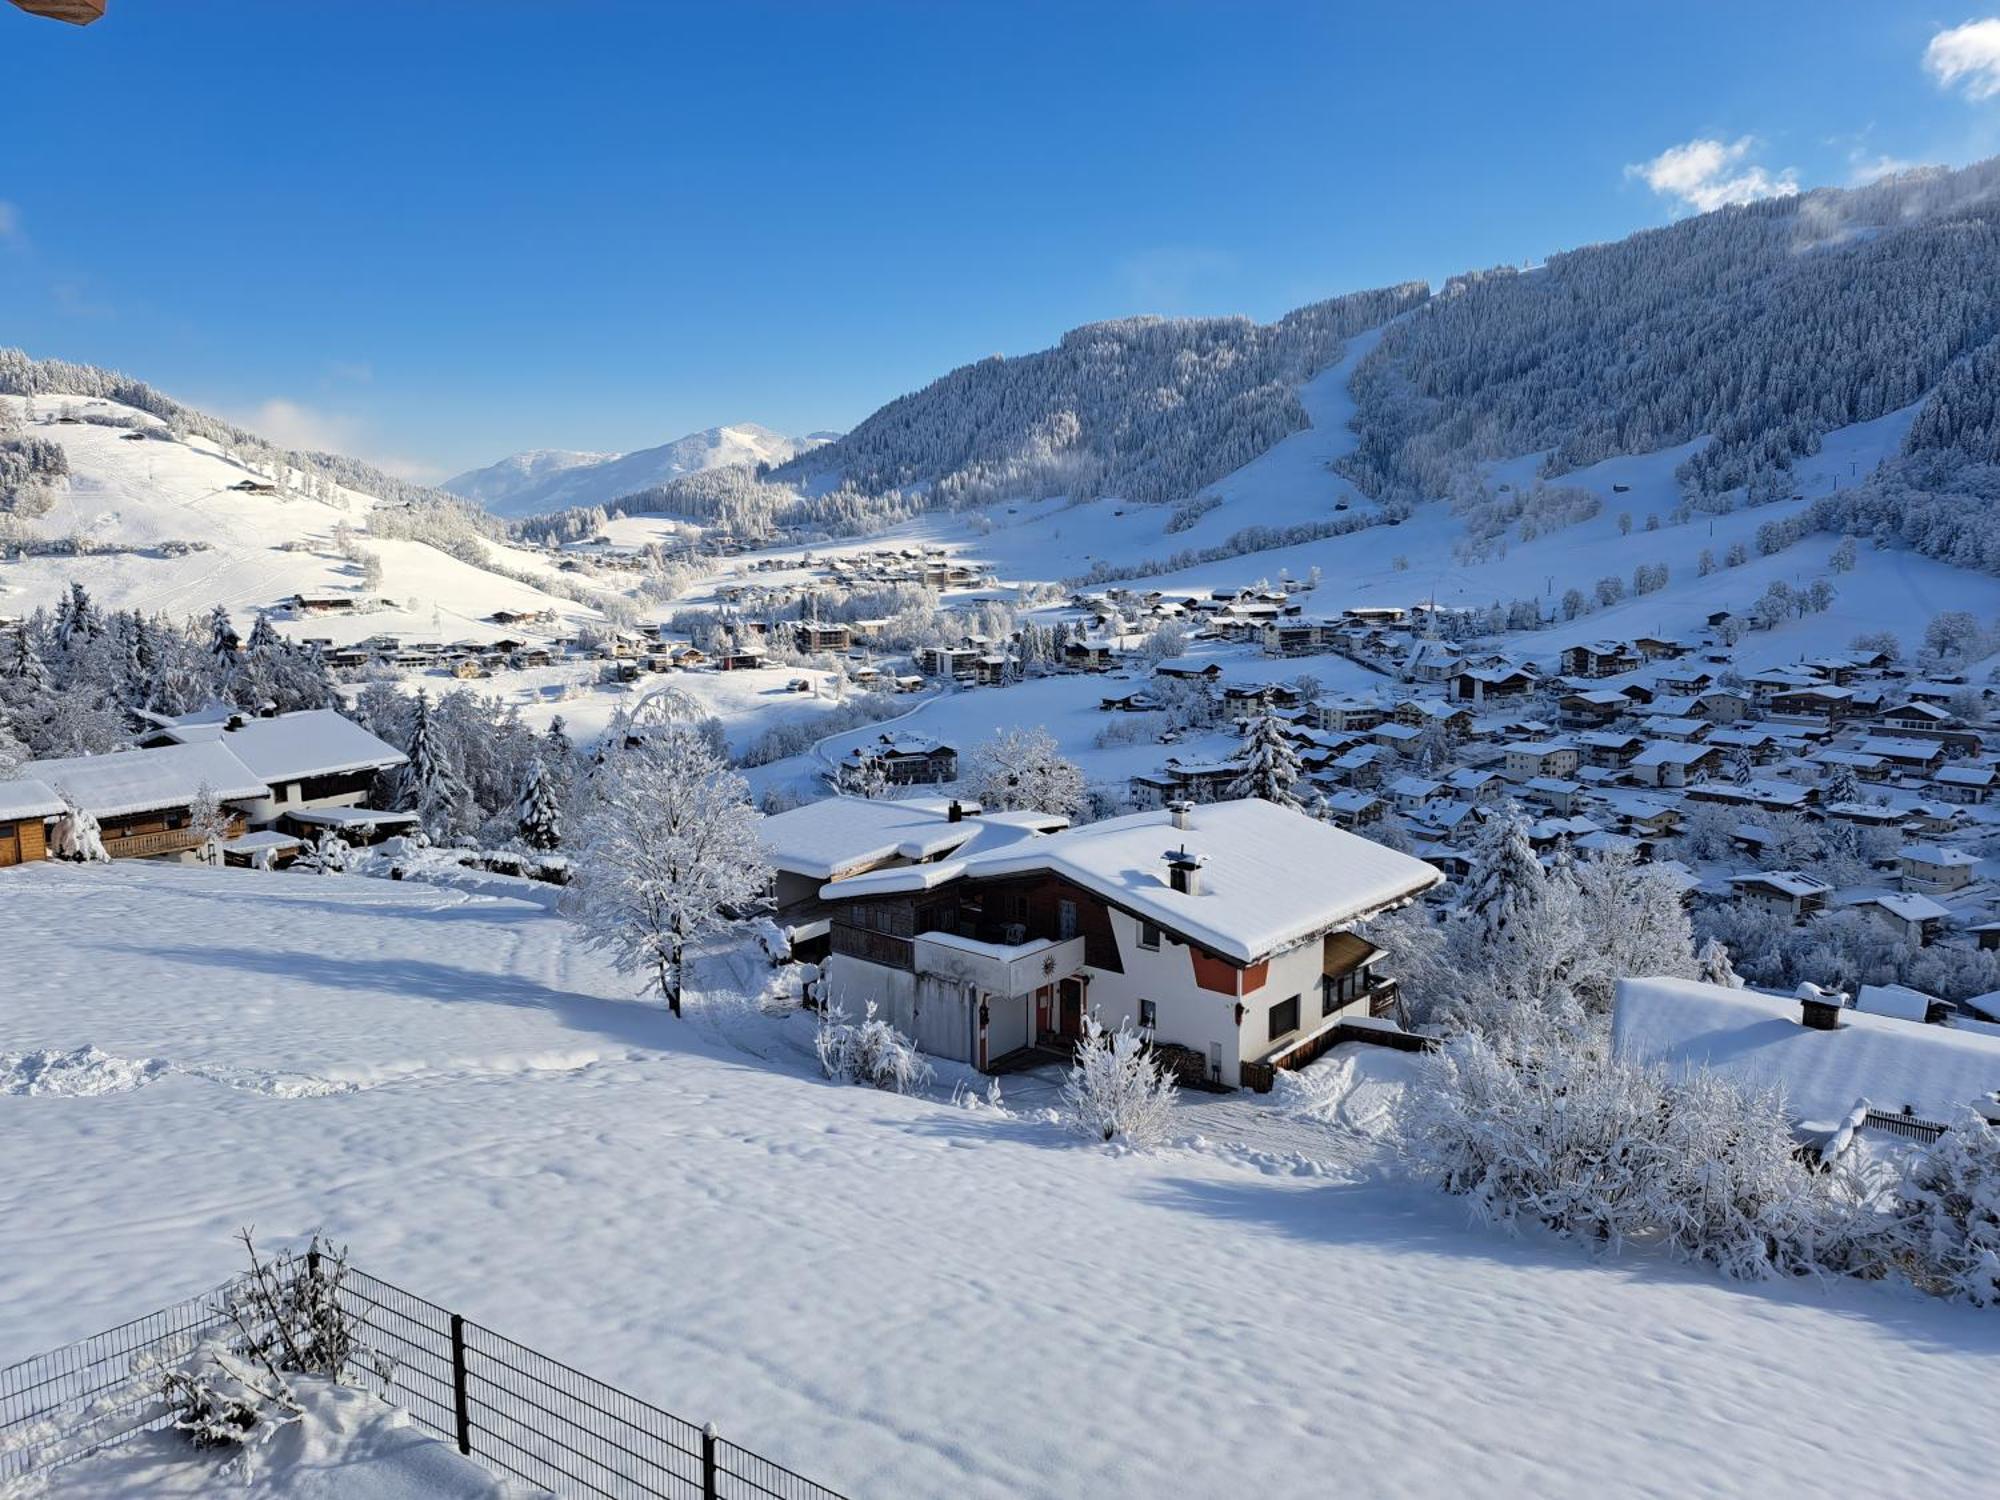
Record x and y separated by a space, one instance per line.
1947 1214
873 1052
1116 1089
287 1318
1530 1126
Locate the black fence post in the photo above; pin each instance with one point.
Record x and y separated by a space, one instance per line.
708 1437
458 1401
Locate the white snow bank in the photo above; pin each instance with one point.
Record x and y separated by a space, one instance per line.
349 1445
76 1073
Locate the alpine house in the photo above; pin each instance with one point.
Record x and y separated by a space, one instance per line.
1226 931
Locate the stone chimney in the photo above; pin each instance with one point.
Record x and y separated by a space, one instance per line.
1820 1009
1181 811
1184 871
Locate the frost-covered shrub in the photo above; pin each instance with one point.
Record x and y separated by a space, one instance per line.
874 1053
287 1317
1947 1214
1539 1131
219 1397
1727 1188
1117 1090
78 837
1530 1125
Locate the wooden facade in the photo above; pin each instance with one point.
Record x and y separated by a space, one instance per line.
147 835
23 842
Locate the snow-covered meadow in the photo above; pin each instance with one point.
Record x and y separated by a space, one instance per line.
896 1295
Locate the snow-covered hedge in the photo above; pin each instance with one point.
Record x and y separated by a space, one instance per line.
873 1052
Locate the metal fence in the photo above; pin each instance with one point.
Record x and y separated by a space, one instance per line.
70 1401
515 1410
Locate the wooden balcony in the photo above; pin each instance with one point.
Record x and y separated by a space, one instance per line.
148 845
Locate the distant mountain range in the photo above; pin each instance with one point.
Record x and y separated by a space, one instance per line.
547 479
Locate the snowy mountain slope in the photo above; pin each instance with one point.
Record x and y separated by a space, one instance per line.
535 483
458 1072
1143 408
126 500
1760 326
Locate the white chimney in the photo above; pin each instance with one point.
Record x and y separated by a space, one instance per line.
1181 812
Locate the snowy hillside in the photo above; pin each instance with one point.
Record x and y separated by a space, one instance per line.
535 483
878 1290
163 524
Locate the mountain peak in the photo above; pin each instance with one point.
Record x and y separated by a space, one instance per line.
546 479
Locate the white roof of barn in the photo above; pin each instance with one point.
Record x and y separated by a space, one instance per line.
27 799
311 742
1270 877
136 781
1759 1040
1897 1000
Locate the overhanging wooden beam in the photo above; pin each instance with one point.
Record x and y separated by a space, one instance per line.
76 12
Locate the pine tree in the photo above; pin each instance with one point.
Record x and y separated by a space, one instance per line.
223 642
1712 965
1269 765
24 664
432 786
263 635
538 816
666 850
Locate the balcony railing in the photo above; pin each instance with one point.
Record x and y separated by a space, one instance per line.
146 845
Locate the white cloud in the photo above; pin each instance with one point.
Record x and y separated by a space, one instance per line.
1967 57
1863 169
292 424
11 231
1706 174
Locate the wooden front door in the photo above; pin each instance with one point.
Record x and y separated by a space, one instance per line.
1045 1020
1072 1007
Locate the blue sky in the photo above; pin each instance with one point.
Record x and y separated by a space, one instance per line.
436 231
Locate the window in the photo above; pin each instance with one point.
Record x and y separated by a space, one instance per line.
1284 1017
1149 1015
1065 920
1149 936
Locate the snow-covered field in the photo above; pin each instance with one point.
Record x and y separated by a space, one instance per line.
897 1296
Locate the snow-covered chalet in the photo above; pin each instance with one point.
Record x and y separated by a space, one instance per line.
1227 930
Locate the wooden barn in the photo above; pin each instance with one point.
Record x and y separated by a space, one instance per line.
25 808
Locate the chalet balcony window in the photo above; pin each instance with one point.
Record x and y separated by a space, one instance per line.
1065 920
1284 1018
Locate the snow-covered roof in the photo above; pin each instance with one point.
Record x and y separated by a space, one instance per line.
1907 905
1791 882
1670 755
27 799
136 781
1760 1040
1966 776
348 817
1270 877
1897 1000
831 838
1938 855
311 742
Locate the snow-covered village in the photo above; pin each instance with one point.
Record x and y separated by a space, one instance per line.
1369 864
